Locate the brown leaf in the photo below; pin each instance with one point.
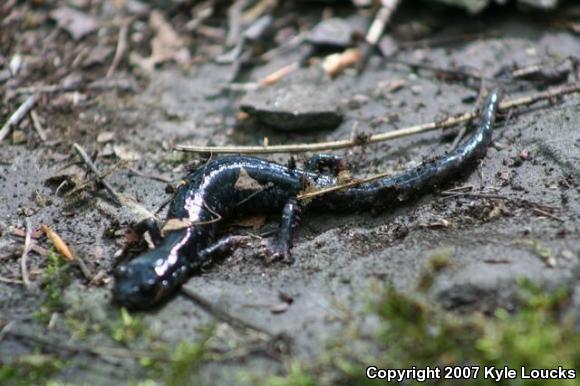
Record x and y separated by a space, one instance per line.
76 23
254 222
175 224
166 45
245 182
59 244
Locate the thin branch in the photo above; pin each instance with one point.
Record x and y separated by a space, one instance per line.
309 195
37 125
120 199
381 137
90 164
25 251
18 115
121 47
221 314
8 280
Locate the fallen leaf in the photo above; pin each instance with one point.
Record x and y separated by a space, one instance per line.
245 182
254 222
98 55
175 224
105 136
76 23
166 45
58 243
279 308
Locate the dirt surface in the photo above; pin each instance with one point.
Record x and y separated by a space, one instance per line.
532 232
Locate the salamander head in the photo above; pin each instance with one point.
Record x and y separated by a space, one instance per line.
137 285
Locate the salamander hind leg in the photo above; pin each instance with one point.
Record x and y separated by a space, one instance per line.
279 246
151 227
327 163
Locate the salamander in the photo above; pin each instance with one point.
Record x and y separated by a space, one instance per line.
234 185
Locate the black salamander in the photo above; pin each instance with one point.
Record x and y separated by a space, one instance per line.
236 185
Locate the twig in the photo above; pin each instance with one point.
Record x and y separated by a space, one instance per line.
432 42
221 314
235 23
120 199
308 195
26 249
121 47
5 330
458 137
385 136
37 125
114 352
87 160
547 214
377 29
18 115
10 281
150 177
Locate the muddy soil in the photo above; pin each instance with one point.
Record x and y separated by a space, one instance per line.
534 232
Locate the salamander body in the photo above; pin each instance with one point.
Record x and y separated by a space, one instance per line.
235 185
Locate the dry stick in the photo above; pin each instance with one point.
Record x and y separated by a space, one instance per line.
114 352
120 199
10 281
221 314
24 257
37 125
121 47
308 195
87 160
377 29
411 130
5 330
18 115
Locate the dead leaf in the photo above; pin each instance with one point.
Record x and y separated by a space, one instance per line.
76 23
245 182
59 244
105 136
254 222
166 45
279 308
98 55
175 224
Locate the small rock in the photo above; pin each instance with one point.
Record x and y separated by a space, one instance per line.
105 136
335 32
297 107
98 56
125 153
18 137
76 23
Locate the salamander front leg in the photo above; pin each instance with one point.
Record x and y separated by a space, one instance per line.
327 162
151 227
223 246
279 246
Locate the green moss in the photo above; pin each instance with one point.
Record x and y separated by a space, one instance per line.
55 279
413 332
297 376
128 329
27 370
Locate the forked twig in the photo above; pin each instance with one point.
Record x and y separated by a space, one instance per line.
381 137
